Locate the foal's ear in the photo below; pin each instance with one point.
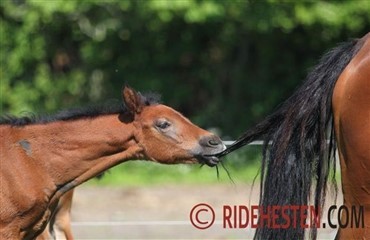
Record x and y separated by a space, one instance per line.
132 100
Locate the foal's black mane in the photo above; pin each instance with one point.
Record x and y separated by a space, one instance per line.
112 107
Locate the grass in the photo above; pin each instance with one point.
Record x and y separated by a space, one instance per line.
242 166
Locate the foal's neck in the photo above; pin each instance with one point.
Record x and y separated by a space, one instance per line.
75 151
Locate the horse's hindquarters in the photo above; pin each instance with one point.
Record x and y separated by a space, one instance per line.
351 106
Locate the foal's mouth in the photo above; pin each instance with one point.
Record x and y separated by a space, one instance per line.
209 160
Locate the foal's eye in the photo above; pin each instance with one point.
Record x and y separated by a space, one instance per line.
162 124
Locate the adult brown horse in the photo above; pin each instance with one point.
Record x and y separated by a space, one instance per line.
41 159
334 100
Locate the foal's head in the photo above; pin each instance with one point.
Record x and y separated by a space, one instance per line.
167 136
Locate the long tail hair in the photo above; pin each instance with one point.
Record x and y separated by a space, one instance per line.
296 157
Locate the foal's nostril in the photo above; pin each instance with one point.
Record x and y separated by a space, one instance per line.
210 141
213 142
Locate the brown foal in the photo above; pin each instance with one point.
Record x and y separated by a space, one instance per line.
42 160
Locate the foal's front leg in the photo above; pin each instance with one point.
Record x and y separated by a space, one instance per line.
59 226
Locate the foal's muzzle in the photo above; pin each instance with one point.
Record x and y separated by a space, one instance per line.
210 145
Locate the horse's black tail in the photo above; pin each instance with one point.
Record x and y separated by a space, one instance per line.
296 156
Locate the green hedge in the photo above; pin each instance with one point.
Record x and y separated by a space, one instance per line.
225 64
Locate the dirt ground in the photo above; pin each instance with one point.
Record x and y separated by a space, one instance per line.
160 212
